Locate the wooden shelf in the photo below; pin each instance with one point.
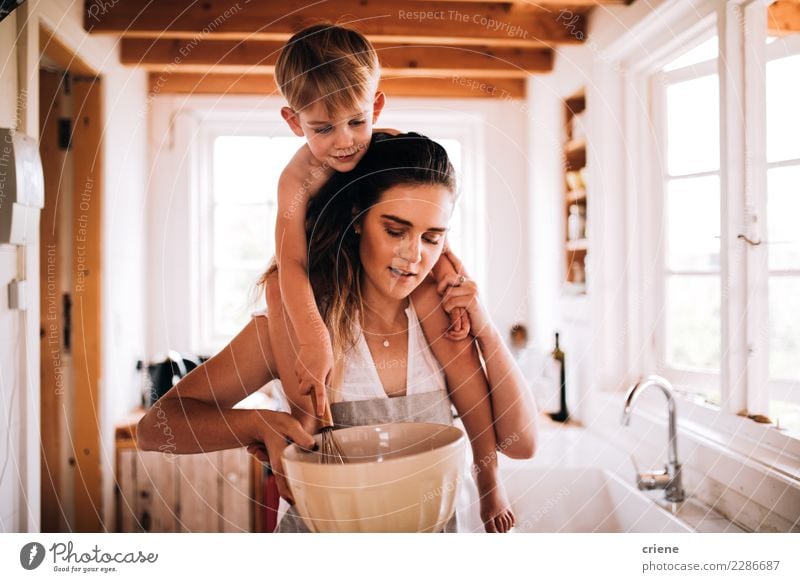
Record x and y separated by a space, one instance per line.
578 245
575 288
576 103
575 158
576 195
575 145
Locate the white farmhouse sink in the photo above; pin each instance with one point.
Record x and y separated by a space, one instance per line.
572 500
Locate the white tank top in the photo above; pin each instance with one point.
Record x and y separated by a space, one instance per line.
360 380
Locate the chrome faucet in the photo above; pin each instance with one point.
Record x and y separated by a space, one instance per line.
670 478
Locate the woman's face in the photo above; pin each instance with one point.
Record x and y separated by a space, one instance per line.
402 237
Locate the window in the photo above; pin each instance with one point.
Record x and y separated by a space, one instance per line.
236 227
688 106
686 110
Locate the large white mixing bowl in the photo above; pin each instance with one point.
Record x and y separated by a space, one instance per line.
400 477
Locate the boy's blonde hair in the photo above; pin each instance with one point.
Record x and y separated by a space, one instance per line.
328 63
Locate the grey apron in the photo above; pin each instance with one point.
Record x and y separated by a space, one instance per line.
431 407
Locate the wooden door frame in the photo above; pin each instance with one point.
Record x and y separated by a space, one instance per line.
52 378
86 297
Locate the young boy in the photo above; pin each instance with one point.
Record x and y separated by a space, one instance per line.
329 76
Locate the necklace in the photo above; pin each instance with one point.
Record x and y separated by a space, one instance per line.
385 341
385 338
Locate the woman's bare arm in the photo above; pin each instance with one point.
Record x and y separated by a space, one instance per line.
197 414
512 403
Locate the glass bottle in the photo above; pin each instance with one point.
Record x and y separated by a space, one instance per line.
576 223
558 355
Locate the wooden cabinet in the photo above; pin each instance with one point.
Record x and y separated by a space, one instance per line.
208 492
576 243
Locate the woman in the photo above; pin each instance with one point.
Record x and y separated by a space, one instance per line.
374 235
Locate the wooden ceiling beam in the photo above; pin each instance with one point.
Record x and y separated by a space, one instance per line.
425 21
546 3
264 84
398 60
783 17
454 86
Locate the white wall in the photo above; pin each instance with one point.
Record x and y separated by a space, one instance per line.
124 96
124 268
592 327
551 308
12 336
171 318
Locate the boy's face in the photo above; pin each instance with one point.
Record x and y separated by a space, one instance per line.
341 141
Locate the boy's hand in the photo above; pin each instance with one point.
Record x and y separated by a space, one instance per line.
313 368
459 324
450 269
461 292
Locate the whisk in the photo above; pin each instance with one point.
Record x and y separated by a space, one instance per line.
330 450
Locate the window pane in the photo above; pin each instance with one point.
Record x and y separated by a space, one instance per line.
693 224
783 116
244 200
784 328
234 295
243 234
693 126
783 213
705 51
693 322
246 168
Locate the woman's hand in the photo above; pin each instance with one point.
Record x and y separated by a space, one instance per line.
275 431
459 291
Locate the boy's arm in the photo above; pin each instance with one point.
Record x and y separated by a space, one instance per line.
299 181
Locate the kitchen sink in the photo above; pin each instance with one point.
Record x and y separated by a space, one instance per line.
574 500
